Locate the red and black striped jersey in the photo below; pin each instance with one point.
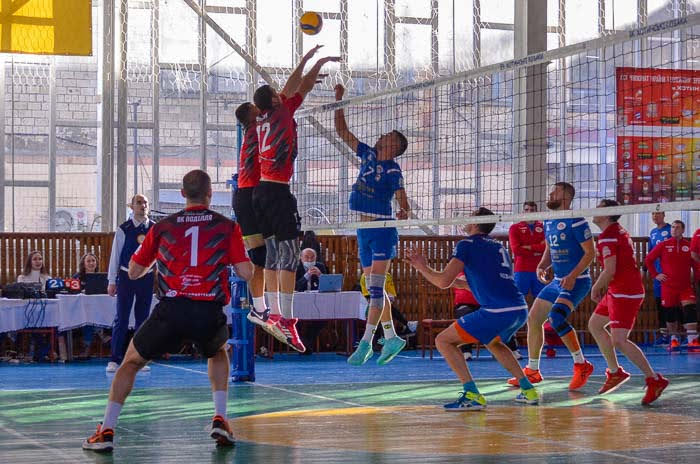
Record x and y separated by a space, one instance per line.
193 249
249 165
277 139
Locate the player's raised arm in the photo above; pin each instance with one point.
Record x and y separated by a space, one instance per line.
294 80
341 126
310 78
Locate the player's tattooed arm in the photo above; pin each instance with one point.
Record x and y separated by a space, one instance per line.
341 126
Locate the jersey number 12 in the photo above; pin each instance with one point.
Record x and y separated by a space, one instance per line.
263 133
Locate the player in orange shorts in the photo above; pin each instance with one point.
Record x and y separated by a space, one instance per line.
619 293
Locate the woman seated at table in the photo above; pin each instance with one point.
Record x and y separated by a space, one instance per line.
88 265
34 270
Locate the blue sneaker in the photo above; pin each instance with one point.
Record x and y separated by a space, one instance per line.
361 355
529 396
392 347
467 401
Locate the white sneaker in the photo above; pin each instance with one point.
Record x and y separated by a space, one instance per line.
112 366
467 355
146 368
412 325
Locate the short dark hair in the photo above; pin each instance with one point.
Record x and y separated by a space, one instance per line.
485 228
243 113
263 97
403 143
196 184
606 203
568 188
678 221
530 203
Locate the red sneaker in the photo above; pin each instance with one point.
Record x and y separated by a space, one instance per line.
533 375
221 432
581 373
102 441
675 345
289 328
655 386
268 322
613 381
694 345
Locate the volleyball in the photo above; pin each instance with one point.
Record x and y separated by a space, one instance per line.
311 23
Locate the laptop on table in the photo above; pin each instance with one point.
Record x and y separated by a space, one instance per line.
96 283
330 282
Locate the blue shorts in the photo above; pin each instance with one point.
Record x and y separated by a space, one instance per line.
527 282
485 325
376 244
576 295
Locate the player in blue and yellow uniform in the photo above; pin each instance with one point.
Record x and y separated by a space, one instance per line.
569 253
379 180
487 267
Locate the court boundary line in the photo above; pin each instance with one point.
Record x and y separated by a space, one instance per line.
581 449
66 457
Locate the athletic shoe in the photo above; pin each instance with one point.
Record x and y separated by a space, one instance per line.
613 381
551 352
467 355
467 401
288 327
102 441
529 396
112 366
517 354
655 386
533 375
361 355
392 347
662 340
581 373
675 345
267 322
221 432
694 345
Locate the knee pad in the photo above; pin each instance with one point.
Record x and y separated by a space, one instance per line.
289 252
557 318
258 256
689 315
375 285
271 253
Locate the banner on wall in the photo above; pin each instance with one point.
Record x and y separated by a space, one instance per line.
658 135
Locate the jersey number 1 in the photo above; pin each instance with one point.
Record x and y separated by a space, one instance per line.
194 245
263 133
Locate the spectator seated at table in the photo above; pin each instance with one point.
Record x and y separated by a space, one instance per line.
34 270
309 270
89 264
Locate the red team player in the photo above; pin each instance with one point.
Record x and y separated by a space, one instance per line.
193 250
619 293
275 205
677 294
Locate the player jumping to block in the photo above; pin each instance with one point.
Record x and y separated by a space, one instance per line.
379 179
274 203
486 265
619 293
570 252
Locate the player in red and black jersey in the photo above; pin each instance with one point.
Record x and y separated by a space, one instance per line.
193 250
275 206
619 293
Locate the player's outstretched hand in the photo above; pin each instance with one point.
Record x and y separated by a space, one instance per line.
312 52
402 214
415 259
339 92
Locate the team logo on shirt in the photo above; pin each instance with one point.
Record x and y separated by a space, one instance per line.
538 229
562 236
171 294
561 226
140 238
685 249
664 233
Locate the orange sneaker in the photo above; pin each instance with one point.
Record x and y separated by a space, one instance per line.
102 441
675 345
613 381
533 375
581 373
655 386
694 345
221 432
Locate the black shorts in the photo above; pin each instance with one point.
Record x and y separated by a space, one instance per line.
245 213
176 320
276 211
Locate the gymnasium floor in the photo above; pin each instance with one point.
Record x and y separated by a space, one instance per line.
306 409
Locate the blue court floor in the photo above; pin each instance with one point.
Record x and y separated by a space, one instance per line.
318 409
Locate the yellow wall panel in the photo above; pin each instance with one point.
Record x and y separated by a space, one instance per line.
46 27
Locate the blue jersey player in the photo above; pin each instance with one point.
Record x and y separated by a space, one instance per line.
489 275
569 252
658 234
378 181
